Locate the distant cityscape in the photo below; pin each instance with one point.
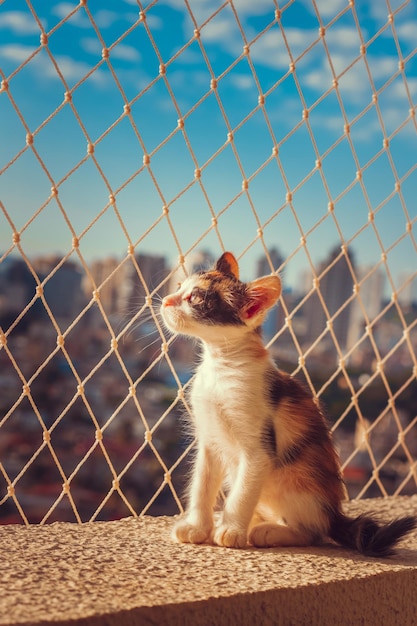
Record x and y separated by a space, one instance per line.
29 329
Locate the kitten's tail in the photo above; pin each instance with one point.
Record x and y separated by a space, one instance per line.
368 535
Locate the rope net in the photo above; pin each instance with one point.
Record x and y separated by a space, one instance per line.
269 146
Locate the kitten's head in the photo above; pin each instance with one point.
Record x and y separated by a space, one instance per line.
216 300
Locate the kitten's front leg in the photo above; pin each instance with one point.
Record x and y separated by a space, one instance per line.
232 530
197 525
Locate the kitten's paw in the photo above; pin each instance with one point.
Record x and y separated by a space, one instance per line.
230 536
184 532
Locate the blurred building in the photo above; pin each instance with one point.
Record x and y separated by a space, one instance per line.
336 287
407 289
146 274
371 294
17 286
123 286
108 277
63 289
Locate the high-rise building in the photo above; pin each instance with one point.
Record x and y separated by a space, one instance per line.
145 275
336 287
371 294
17 286
62 287
109 285
407 294
123 286
263 266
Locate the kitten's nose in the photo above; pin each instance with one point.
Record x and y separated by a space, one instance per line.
172 300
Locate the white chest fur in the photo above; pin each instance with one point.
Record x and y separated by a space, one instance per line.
228 400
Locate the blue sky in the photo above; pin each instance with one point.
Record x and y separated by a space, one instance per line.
100 88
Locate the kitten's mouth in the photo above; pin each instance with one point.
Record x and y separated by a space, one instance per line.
170 316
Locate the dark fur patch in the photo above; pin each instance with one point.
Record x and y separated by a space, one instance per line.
280 457
291 454
314 439
269 440
277 388
218 299
280 386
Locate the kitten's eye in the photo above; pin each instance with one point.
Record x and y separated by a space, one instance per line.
194 297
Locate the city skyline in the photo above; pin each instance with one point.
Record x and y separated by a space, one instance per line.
300 282
123 289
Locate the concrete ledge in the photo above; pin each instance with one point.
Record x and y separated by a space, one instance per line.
128 572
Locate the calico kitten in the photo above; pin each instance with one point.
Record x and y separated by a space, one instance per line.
260 435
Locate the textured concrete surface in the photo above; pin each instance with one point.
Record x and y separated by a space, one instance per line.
129 572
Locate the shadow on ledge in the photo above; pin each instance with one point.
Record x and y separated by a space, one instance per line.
130 573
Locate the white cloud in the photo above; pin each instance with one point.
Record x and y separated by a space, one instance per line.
326 8
121 51
91 45
383 67
331 122
220 29
242 81
270 51
16 52
260 7
104 18
63 9
354 83
318 79
125 53
19 23
412 86
407 32
379 12
154 22
344 37
73 71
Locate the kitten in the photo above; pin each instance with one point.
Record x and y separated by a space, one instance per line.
260 435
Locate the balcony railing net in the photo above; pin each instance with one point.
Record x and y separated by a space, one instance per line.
93 392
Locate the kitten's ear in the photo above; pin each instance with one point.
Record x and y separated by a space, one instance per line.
262 294
227 264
